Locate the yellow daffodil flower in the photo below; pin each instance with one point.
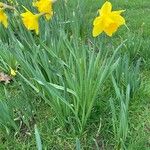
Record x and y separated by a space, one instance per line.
3 18
30 20
12 72
44 6
108 21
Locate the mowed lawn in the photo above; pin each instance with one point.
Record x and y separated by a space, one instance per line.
137 14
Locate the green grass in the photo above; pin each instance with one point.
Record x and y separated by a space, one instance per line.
98 131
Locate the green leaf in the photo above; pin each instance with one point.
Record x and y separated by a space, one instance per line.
38 139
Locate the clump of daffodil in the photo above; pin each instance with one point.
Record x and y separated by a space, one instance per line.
108 21
45 6
13 72
31 21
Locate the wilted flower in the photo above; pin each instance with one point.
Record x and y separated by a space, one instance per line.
44 6
108 21
12 72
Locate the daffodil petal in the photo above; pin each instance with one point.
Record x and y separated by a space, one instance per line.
98 27
118 12
106 8
118 19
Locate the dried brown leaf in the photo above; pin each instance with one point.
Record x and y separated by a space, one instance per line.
5 78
